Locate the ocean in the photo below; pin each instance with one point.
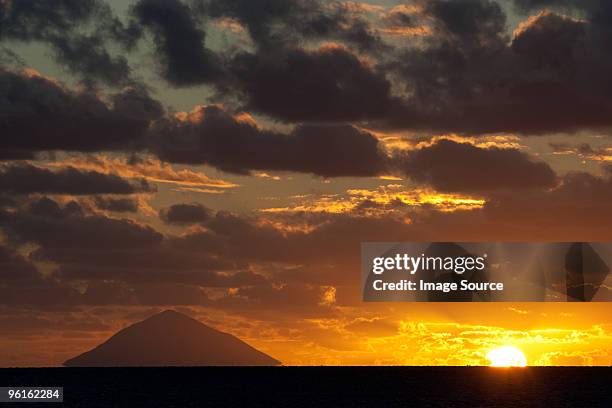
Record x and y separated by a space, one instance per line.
320 386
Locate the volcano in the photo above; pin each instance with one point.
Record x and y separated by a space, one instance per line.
170 338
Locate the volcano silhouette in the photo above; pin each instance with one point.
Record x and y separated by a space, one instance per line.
171 339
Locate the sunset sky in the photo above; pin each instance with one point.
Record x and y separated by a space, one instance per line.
226 158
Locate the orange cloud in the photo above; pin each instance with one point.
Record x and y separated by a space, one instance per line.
385 200
533 20
406 31
148 168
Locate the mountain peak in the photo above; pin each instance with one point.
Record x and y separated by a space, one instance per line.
170 338
170 314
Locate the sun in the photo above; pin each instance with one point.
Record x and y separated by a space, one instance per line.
507 356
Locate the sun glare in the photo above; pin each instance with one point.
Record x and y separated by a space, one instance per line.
507 356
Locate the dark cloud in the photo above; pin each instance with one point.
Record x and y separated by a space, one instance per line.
60 25
304 300
598 13
470 77
163 266
88 56
168 294
576 210
16 268
63 117
122 205
129 266
552 41
29 179
473 22
7 201
21 283
185 214
107 293
279 23
278 78
323 251
462 167
257 15
212 136
92 248
179 41
245 239
15 155
592 7
196 259
46 223
400 18
41 114
38 322
327 84
468 74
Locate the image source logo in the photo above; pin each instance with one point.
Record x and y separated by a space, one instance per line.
486 272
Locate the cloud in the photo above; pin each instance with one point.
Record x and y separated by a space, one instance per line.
166 294
210 135
93 247
575 358
385 201
76 31
46 223
326 84
163 264
105 293
29 179
15 268
403 20
592 7
43 115
551 40
313 61
276 71
185 214
248 260
89 57
179 42
6 155
117 204
471 77
372 327
33 324
294 299
447 165
143 167
280 23
583 150
40 114
580 197
22 283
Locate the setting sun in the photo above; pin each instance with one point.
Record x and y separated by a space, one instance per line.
507 356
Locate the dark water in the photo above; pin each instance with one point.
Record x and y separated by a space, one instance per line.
321 386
